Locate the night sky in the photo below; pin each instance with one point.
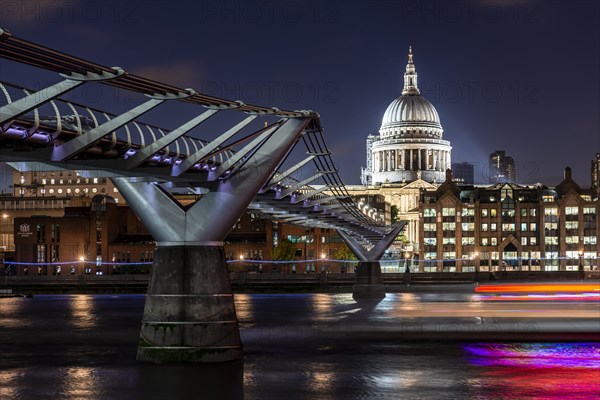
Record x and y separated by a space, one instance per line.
504 75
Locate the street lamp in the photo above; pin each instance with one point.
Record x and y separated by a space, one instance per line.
581 260
82 263
4 244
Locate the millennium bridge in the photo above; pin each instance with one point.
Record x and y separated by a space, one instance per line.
258 161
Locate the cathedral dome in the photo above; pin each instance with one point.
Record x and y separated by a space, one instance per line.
411 115
411 111
409 146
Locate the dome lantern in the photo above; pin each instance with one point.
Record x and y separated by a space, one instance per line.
410 76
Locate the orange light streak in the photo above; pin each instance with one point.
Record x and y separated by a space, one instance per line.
540 288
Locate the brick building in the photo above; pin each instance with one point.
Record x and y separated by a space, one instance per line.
509 226
108 238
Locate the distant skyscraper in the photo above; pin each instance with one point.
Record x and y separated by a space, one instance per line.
463 173
596 172
502 168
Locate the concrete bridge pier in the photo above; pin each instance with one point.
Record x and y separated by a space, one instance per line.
189 315
369 282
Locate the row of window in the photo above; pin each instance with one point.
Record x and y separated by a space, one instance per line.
493 227
533 256
69 191
492 212
484 241
77 181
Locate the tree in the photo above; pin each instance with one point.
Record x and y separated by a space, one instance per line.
402 238
394 214
344 253
284 251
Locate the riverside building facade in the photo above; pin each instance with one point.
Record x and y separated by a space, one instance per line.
509 227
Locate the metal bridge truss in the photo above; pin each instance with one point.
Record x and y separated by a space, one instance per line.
39 130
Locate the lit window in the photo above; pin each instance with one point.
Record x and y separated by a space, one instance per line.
94 190
448 212
485 241
51 191
532 240
468 241
494 241
589 210
429 212
484 227
59 191
468 226
571 210
484 212
524 241
430 241
449 240
523 212
52 181
523 227
468 212
572 239
493 227
77 190
429 227
95 180
508 227
449 226
493 212
571 224
533 227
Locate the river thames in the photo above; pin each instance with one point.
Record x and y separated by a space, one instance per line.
308 346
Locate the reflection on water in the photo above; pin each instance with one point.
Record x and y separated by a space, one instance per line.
9 380
540 370
537 355
301 346
79 383
244 307
82 311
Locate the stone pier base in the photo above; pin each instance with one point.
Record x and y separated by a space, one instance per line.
369 282
189 316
